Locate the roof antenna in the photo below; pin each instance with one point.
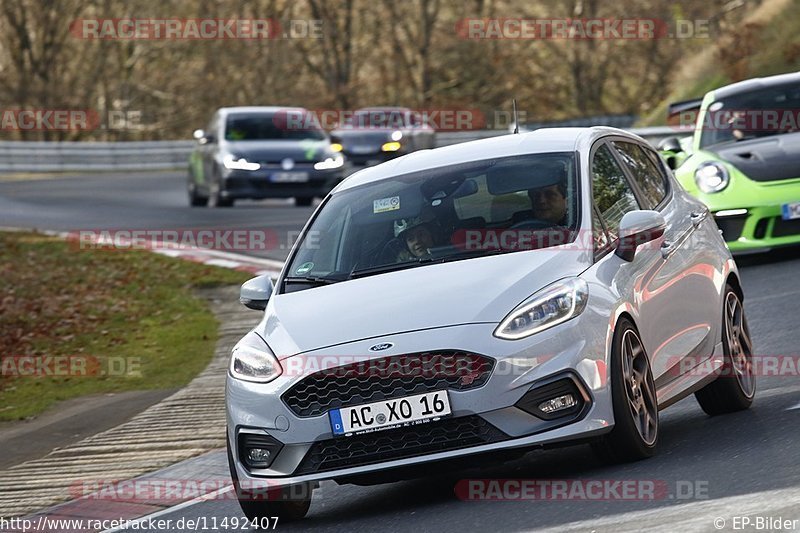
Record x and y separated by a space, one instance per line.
516 122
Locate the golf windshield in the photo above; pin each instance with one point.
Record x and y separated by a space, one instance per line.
270 127
443 214
760 113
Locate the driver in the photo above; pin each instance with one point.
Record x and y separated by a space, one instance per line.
418 236
550 203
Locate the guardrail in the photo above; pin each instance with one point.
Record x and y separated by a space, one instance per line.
41 156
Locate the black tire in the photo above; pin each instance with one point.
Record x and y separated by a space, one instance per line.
195 200
285 504
215 196
634 436
303 201
735 387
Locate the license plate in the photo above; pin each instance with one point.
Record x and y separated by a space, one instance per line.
363 149
385 414
289 177
791 211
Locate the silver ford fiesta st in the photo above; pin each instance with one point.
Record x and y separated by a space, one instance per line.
485 298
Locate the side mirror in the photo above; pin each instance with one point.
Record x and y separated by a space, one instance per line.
670 144
637 228
255 293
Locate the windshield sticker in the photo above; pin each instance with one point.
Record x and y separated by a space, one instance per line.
304 268
386 204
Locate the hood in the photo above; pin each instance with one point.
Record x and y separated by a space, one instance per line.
365 135
276 151
480 290
765 159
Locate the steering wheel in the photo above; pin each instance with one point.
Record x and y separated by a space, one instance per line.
533 224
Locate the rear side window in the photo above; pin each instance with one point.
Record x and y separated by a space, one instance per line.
612 193
649 177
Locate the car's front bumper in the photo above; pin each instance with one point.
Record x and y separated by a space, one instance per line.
258 184
749 212
569 350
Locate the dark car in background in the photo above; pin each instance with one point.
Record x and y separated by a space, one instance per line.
373 135
262 152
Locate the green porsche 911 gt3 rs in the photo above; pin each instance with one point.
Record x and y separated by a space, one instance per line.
743 160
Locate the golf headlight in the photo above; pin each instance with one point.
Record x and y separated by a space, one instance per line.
252 360
231 163
330 163
396 135
711 177
550 306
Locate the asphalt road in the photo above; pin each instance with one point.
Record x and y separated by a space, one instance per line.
141 201
744 463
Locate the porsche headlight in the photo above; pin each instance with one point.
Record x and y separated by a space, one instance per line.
252 360
557 303
711 177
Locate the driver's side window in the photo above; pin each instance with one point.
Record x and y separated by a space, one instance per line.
611 191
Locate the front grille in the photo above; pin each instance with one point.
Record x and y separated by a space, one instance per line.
386 378
785 228
401 443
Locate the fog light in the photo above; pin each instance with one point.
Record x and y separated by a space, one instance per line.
258 450
258 455
557 404
559 398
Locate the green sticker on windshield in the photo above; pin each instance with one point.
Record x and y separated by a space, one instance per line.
304 268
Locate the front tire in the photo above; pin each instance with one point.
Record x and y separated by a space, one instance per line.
735 389
282 503
195 200
633 394
215 196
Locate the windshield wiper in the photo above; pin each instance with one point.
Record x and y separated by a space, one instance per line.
390 267
311 280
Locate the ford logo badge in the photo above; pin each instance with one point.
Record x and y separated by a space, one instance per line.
380 347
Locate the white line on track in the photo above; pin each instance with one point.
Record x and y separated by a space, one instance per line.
200 499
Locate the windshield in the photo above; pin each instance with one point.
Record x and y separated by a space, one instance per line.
267 127
444 214
761 113
378 119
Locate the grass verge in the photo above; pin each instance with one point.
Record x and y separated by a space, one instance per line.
77 322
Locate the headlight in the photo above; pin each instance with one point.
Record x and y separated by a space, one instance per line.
252 360
330 163
336 147
711 177
550 306
239 164
390 147
397 135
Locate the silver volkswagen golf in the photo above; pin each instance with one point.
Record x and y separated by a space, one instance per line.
480 300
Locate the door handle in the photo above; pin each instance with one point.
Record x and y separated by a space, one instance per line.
698 216
668 248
